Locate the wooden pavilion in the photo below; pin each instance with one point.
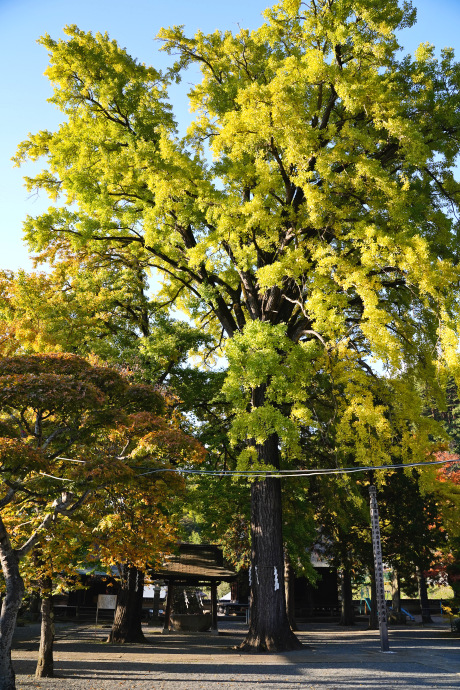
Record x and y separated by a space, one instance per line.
195 565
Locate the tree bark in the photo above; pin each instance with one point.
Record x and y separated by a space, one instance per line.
289 578
156 602
213 605
168 608
396 592
424 601
10 607
373 615
269 628
45 663
127 624
347 616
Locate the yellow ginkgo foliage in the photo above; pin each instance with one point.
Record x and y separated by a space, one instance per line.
309 217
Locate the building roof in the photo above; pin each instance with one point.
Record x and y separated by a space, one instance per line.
194 563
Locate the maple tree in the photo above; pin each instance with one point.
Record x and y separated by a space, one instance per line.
317 240
50 569
79 439
139 519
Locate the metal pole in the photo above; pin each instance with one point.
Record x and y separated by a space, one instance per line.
381 604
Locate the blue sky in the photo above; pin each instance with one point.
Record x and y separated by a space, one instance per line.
134 24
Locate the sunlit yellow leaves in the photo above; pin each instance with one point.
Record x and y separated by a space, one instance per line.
263 356
138 537
309 212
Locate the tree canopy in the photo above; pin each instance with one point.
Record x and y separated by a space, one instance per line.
322 227
78 440
308 219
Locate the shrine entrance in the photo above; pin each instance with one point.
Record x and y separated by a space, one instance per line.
195 566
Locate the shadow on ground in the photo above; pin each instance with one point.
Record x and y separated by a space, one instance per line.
336 659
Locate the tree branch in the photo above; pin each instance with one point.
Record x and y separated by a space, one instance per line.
65 507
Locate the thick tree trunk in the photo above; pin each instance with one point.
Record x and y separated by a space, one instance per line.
269 628
10 607
45 663
347 616
127 624
424 601
289 578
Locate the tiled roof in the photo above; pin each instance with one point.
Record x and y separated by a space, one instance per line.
195 562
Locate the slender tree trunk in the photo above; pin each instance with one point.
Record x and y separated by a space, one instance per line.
269 628
424 601
127 624
396 592
45 663
156 602
10 607
347 616
289 578
214 606
168 607
373 616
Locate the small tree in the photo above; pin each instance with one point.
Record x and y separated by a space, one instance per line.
53 406
134 522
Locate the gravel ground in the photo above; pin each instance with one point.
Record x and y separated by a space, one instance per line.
334 658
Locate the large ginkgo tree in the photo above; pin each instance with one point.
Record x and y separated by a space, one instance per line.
308 219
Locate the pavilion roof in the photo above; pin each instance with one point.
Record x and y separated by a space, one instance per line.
194 563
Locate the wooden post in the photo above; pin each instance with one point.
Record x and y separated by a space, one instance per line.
214 605
379 582
168 606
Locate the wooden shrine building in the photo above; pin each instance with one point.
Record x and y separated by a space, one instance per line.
195 565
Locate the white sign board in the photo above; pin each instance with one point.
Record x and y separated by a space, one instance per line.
107 601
